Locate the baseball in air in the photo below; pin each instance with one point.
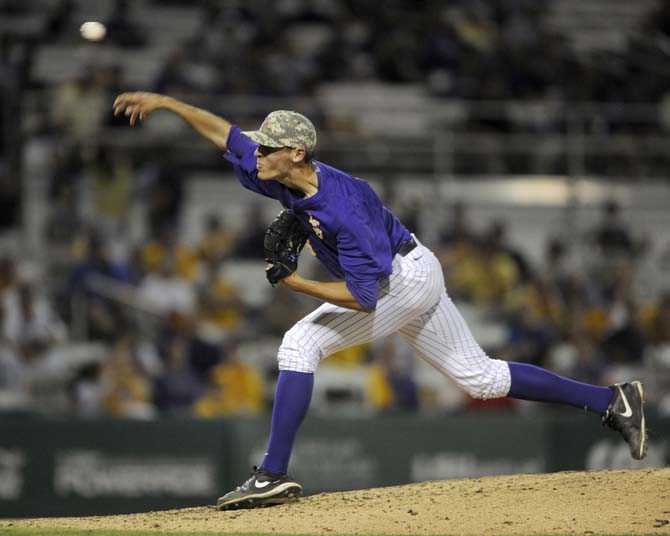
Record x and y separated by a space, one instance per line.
93 31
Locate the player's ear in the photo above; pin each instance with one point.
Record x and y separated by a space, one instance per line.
298 155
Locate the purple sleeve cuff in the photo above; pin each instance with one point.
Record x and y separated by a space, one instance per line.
366 292
239 144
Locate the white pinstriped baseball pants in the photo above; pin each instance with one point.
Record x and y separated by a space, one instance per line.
415 304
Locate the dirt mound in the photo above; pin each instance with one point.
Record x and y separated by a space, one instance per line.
611 502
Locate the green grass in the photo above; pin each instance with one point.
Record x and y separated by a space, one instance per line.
16 531
78 532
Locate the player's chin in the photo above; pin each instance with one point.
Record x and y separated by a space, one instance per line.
266 175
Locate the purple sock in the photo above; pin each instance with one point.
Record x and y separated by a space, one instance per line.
292 398
535 383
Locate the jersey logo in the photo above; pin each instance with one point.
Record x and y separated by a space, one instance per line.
316 226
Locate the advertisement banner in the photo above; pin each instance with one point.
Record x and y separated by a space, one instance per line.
79 467
97 467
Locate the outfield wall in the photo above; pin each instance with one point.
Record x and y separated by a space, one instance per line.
54 467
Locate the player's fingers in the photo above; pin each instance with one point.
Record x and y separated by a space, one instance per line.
123 100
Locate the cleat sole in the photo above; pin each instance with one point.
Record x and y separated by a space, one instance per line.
643 427
287 495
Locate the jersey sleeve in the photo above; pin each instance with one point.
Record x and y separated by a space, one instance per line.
361 270
240 153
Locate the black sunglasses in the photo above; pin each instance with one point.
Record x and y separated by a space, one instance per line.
265 150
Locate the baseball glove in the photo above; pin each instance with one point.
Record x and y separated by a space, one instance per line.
283 242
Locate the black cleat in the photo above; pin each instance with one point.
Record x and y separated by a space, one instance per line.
262 489
625 414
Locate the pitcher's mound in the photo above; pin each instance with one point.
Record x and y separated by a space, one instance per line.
599 502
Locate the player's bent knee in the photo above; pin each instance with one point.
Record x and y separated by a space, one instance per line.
297 352
492 381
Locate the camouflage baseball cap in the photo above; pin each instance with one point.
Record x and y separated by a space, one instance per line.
283 128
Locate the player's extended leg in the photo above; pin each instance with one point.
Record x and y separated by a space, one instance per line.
443 338
620 406
413 287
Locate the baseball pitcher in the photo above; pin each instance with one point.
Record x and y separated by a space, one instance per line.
388 282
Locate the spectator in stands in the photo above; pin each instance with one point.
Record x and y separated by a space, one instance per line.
171 77
651 267
218 241
458 227
658 21
413 207
85 392
578 355
162 190
80 105
287 308
219 306
234 388
250 238
178 387
122 28
391 383
541 299
7 273
29 322
164 291
624 343
497 239
556 268
612 235
87 281
657 353
529 337
111 176
458 245
10 197
125 389
166 246
58 18
483 274
346 53
11 374
64 224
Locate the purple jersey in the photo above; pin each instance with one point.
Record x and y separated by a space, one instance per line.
350 230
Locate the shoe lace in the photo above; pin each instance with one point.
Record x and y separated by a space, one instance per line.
254 470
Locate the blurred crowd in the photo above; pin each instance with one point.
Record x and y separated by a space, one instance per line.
450 52
110 327
109 320
484 49
596 309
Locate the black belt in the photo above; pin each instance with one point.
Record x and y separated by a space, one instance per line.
406 247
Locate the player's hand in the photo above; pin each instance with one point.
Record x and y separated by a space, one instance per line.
138 105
